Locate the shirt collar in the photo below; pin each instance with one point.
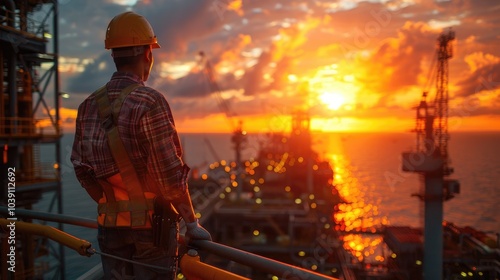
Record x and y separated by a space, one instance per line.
127 76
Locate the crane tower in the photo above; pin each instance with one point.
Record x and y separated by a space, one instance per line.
239 135
431 161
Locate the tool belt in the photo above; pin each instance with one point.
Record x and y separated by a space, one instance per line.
165 222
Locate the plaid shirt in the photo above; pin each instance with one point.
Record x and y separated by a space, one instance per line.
147 129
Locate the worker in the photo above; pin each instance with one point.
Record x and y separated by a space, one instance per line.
127 156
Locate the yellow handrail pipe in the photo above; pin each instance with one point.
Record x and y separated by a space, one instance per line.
194 269
61 237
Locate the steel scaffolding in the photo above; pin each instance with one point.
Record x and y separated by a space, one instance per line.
29 124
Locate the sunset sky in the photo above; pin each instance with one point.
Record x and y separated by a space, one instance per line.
355 65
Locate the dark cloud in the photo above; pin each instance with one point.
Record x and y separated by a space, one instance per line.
177 23
482 79
280 75
82 26
95 75
193 85
254 77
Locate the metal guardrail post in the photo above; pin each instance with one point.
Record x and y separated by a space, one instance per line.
282 270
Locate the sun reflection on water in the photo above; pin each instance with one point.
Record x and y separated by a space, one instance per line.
358 220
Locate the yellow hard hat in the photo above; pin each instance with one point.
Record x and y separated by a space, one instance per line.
128 30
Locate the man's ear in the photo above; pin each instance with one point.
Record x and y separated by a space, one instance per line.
148 54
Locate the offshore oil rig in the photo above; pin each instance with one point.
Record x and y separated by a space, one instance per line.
440 249
29 121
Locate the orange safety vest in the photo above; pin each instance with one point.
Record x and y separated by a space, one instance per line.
125 203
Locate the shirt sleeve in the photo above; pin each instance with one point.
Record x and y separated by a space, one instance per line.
164 161
84 172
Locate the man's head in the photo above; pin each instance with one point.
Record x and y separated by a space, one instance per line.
131 39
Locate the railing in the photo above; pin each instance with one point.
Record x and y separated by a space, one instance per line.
17 22
282 270
491 264
193 266
18 127
79 245
41 172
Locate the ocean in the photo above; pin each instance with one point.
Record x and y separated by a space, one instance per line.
367 170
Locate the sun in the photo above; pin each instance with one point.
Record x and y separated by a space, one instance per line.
333 100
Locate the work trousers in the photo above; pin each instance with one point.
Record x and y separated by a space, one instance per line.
136 245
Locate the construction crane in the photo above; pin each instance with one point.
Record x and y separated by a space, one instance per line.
431 161
238 138
436 139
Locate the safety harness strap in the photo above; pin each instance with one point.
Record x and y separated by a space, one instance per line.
109 218
109 117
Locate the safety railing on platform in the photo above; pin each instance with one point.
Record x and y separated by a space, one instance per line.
24 127
190 263
29 25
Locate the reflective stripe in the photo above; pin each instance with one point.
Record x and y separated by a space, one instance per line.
120 214
124 206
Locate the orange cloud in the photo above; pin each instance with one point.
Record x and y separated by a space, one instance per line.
399 62
67 119
233 53
235 6
478 60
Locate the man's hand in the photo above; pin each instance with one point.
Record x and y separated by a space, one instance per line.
195 231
